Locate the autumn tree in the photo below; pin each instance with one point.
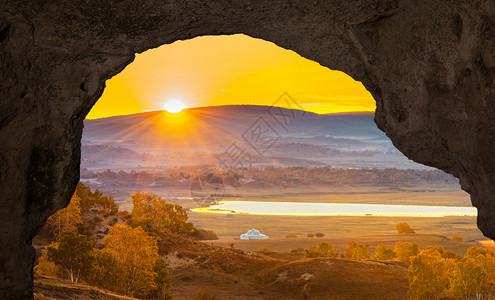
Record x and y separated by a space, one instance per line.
384 252
429 274
291 236
163 281
72 252
457 238
104 270
95 200
136 254
156 215
66 219
357 251
405 250
323 249
486 258
469 280
404 228
46 267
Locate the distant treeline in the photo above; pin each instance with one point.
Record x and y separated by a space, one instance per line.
269 176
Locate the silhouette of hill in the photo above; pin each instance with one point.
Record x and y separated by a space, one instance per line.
203 132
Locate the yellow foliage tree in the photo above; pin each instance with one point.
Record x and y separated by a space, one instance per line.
68 218
155 215
136 253
404 228
405 250
469 280
384 252
430 273
357 251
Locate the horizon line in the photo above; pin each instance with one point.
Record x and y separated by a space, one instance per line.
208 106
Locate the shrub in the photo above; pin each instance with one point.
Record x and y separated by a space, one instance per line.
204 234
457 238
324 249
405 250
264 251
384 252
319 235
357 251
297 250
404 228
291 236
310 235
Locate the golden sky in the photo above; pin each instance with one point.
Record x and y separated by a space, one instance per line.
220 70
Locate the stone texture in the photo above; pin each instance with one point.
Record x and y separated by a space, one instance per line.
429 64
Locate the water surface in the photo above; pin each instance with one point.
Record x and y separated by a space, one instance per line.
334 209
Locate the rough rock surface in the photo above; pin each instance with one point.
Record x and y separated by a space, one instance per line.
429 64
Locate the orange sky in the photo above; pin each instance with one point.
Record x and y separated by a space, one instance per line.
219 70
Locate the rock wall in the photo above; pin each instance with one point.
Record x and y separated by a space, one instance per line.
429 64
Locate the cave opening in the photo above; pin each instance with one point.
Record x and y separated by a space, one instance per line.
311 167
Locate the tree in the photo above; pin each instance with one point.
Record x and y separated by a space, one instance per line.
95 200
429 274
323 249
72 252
357 251
319 235
469 280
291 236
404 228
46 267
457 238
163 281
136 253
327 250
66 219
310 235
384 252
486 258
405 250
156 216
104 271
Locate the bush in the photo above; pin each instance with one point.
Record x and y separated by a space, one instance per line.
357 251
457 238
324 249
405 250
297 250
291 236
264 251
384 252
404 228
319 235
310 235
204 234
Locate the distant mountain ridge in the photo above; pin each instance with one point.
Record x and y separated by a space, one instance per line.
224 122
198 135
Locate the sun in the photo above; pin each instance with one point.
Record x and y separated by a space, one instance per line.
174 106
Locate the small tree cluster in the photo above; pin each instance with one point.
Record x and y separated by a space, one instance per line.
435 273
384 252
323 249
128 263
155 215
357 251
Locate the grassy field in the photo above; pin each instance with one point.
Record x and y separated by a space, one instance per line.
340 244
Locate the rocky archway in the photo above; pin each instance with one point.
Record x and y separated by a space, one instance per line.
429 64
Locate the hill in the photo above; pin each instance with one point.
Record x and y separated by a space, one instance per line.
196 135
